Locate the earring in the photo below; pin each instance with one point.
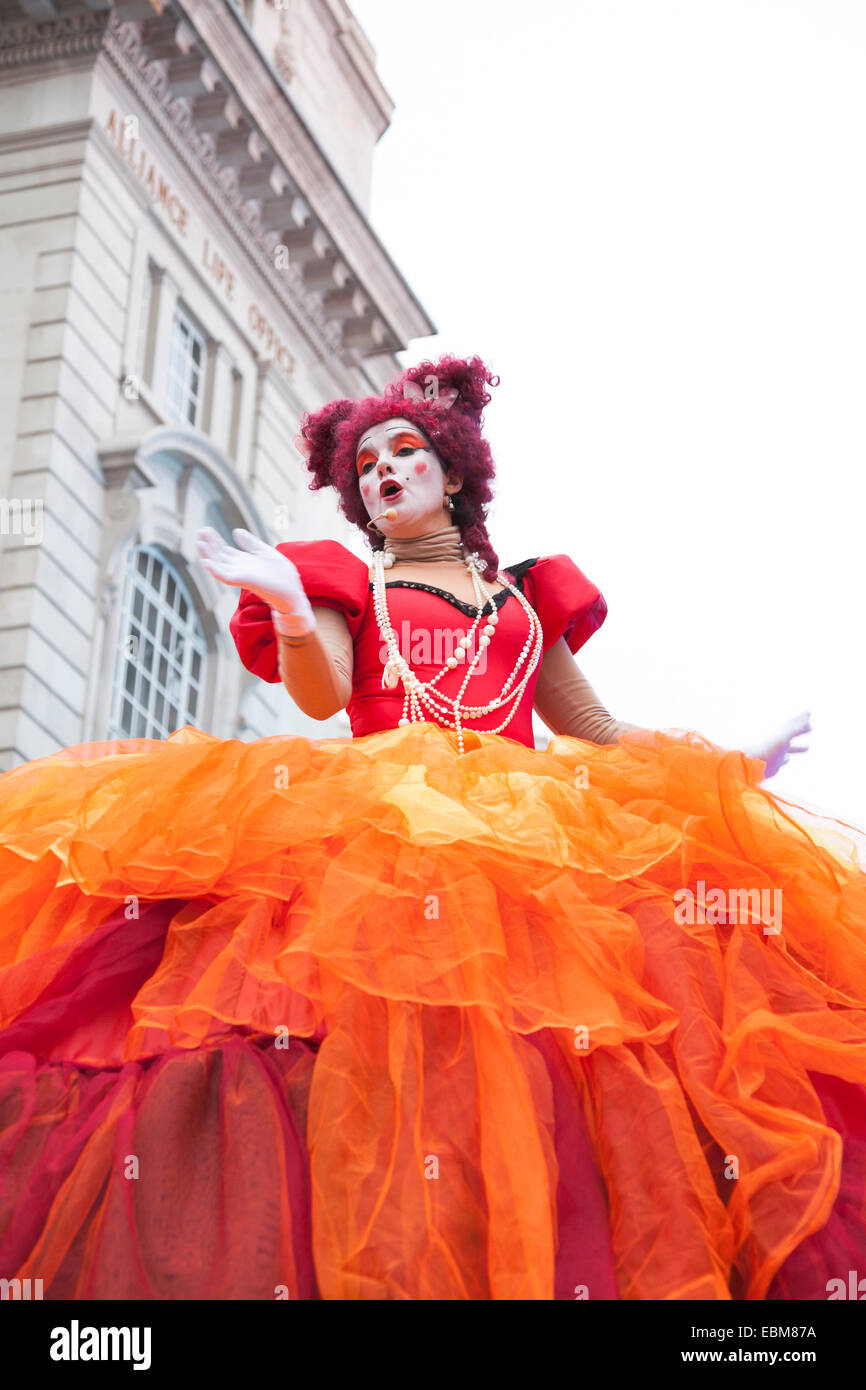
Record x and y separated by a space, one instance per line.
448 502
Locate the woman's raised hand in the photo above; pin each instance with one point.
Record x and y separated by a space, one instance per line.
776 749
255 565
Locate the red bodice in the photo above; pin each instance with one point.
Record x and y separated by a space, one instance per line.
428 624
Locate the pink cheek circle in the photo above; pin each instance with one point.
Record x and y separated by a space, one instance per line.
420 467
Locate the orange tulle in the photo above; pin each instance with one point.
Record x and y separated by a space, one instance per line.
424 918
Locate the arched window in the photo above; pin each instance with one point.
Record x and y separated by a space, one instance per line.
159 677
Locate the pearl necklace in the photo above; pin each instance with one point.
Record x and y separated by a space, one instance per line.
421 695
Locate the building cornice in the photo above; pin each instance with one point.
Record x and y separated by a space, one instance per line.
222 30
361 55
358 55
218 183
202 78
24 41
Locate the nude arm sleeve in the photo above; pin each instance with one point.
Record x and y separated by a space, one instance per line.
317 669
567 703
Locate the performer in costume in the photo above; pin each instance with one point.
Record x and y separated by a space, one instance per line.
426 1013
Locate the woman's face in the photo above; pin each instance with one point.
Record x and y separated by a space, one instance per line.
398 468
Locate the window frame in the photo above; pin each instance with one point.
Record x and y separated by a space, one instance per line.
181 368
145 664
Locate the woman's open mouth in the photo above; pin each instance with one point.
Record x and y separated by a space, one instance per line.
390 491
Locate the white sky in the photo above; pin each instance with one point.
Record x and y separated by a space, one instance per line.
649 218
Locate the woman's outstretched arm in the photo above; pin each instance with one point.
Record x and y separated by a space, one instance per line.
567 703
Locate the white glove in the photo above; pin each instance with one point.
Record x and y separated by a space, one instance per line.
262 568
776 749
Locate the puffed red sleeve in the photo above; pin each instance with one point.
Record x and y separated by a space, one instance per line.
568 604
332 578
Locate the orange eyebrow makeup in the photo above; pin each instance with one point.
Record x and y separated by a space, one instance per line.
400 441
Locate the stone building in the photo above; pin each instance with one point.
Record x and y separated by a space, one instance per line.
186 264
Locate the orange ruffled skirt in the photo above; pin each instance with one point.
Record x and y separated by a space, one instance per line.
363 1019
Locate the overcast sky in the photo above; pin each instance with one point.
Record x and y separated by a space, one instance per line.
649 218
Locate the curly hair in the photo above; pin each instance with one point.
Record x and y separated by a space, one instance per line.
328 437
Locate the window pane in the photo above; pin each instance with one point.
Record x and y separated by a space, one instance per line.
185 365
159 688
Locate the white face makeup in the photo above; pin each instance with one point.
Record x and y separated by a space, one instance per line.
398 468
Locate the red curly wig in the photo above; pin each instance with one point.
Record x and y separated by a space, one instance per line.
329 436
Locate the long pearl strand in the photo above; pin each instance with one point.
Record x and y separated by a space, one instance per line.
421 695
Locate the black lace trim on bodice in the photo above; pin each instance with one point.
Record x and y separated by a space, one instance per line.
516 571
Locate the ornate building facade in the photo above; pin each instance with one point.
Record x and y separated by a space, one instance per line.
186 264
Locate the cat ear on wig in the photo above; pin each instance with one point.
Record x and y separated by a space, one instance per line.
302 445
442 400
445 383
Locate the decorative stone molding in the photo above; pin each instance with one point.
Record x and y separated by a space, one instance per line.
221 182
122 469
284 59
190 447
65 36
285 55
256 83
125 475
178 59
